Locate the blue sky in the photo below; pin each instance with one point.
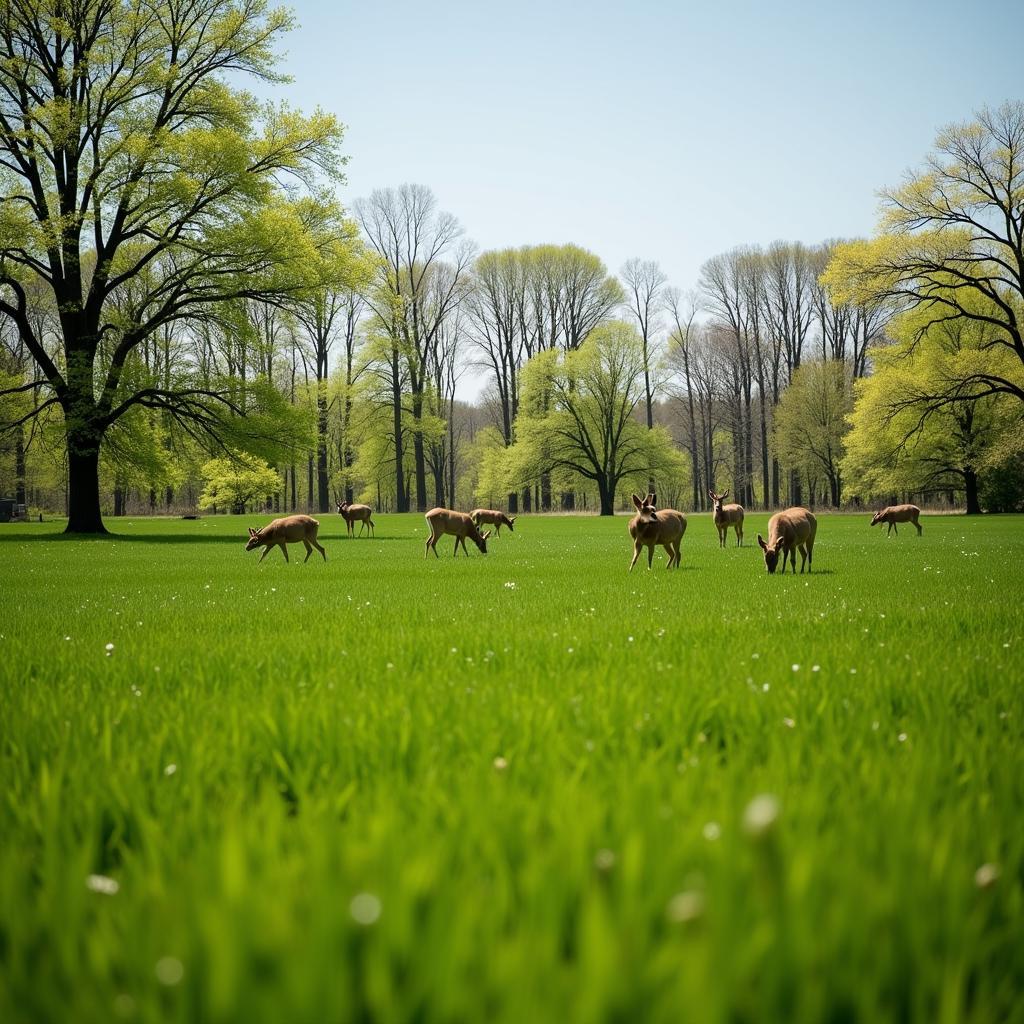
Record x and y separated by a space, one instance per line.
665 131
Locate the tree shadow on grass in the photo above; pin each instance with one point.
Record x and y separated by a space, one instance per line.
157 538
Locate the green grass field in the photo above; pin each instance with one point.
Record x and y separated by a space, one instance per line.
515 787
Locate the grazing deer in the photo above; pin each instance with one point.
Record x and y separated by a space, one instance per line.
353 514
787 531
651 526
282 532
726 516
898 514
459 524
492 518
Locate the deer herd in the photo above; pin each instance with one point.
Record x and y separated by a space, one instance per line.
788 531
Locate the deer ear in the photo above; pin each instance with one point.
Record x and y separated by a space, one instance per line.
637 502
652 498
760 540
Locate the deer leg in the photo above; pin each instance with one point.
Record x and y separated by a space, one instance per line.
803 558
636 554
918 525
309 551
372 528
320 549
266 551
650 555
896 529
284 550
671 555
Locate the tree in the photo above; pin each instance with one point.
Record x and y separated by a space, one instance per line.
952 245
424 265
645 295
905 440
578 416
235 481
142 190
810 422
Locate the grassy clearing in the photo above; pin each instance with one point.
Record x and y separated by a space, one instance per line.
511 788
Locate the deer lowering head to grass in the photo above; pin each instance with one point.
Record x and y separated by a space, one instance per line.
787 531
492 517
652 526
353 514
282 532
459 524
726 516
898 514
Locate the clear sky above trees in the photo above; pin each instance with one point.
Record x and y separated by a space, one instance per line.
660 130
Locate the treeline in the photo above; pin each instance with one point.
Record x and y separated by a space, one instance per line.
190 320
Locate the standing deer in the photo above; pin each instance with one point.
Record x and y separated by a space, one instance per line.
651 526
492 518
353 514
898 514
726 516
787 531
282 532
459 524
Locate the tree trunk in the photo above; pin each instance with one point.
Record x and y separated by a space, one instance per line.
526 499
971 492
513 502
606 495
401 500
322 486
545 492
419 459
118 501
19 466
84 514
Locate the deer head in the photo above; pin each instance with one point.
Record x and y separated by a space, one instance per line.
342 505
877 517
480 540
511 520
771 554
717 499
254 539
646 507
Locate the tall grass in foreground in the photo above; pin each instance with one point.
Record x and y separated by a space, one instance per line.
513 788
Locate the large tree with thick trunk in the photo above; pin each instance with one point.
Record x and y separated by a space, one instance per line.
143 190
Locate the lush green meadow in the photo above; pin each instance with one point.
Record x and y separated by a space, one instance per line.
514 787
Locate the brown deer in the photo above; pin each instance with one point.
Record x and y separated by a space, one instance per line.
459 524
282 532
726 516
353 514
787 531
651 526
898 514
492 518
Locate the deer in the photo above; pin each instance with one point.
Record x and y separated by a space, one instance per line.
787 531
282 532
726 516
492 518
353 514
898 514
651 526
459 524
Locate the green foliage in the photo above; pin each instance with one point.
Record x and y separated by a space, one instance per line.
237 480
910 433
810 421
577 415
292 777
